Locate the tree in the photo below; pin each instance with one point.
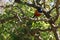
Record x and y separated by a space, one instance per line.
17 23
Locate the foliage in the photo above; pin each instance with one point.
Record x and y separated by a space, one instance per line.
16 25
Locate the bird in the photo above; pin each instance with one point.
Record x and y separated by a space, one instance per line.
37 12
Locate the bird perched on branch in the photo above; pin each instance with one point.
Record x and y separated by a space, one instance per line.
37 13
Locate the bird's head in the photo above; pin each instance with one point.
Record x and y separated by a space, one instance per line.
39 10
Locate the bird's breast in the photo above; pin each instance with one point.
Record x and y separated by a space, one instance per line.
37 13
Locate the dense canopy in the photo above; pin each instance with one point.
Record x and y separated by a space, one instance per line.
17 21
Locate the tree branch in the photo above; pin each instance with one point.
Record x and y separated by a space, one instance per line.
57 12
7 19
